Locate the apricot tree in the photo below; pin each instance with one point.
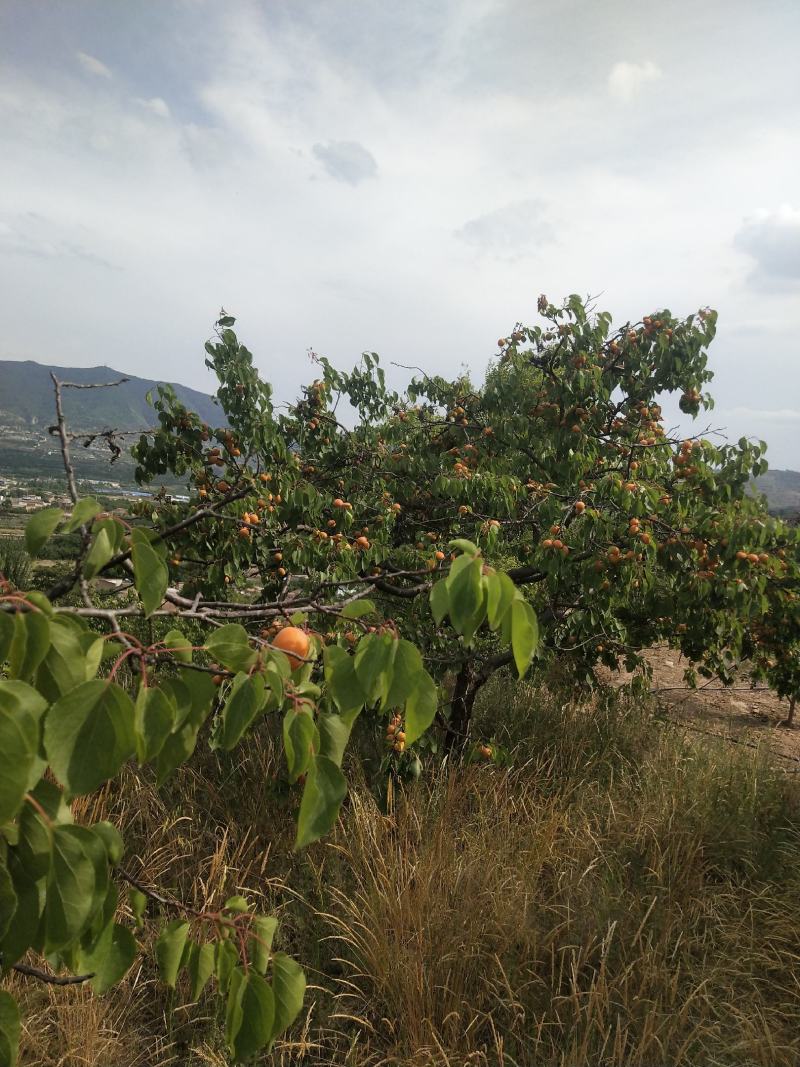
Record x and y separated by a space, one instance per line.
364 554
558 468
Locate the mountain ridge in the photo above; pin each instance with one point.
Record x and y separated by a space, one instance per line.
27 400
27 408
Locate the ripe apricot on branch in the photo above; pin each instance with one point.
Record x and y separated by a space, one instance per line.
295 643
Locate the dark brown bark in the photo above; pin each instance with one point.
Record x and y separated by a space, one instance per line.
472 675
789 720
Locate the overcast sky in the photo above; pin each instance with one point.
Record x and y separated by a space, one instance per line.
400 177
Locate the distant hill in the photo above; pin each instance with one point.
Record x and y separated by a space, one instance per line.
782 490
26 398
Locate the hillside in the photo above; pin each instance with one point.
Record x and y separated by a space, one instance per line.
782 490
26 398
28 453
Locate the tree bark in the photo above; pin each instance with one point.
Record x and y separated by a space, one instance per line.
461 705
789 720
472 675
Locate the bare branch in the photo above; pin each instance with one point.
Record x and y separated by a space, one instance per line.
92 385
61 429
51 979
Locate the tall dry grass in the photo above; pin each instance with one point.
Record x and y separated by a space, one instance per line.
620 896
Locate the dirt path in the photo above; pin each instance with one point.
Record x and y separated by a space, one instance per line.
750 715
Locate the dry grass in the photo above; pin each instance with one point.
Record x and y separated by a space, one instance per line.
619 897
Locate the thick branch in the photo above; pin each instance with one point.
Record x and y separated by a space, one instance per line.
51 979
93 385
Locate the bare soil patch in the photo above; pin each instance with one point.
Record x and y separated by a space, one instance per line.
746 715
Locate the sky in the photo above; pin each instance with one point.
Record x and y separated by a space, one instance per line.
400 178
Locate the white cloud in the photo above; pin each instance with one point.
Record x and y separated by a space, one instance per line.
763 415
32 235
92 65
155 104
347 161
627 79
772 239
515 230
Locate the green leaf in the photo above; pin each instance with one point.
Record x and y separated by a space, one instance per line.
112 840
85 509
373 662
23 931
34 845
71 885
300 741
176 750
41 601
289 987
19 742
9 1030
169 950
6 634
29 644
40 527
501 592
150 575
88 735
64 666
440 601
245 699
467 547
200 968
325 789
179 645
230 646
138 903
356 608
262 933
8 895
237 903
524 634
407 665
421 707
100 552
225 960
342 681
465 594
250 1014
202 693
154 718
334 733
111 957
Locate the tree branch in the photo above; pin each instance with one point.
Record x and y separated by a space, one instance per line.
51 979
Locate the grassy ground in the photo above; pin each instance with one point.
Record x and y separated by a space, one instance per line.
621 895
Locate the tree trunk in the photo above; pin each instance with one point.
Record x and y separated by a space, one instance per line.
471 676
461 704
789 720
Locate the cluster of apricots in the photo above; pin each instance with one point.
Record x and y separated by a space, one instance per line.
395 734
